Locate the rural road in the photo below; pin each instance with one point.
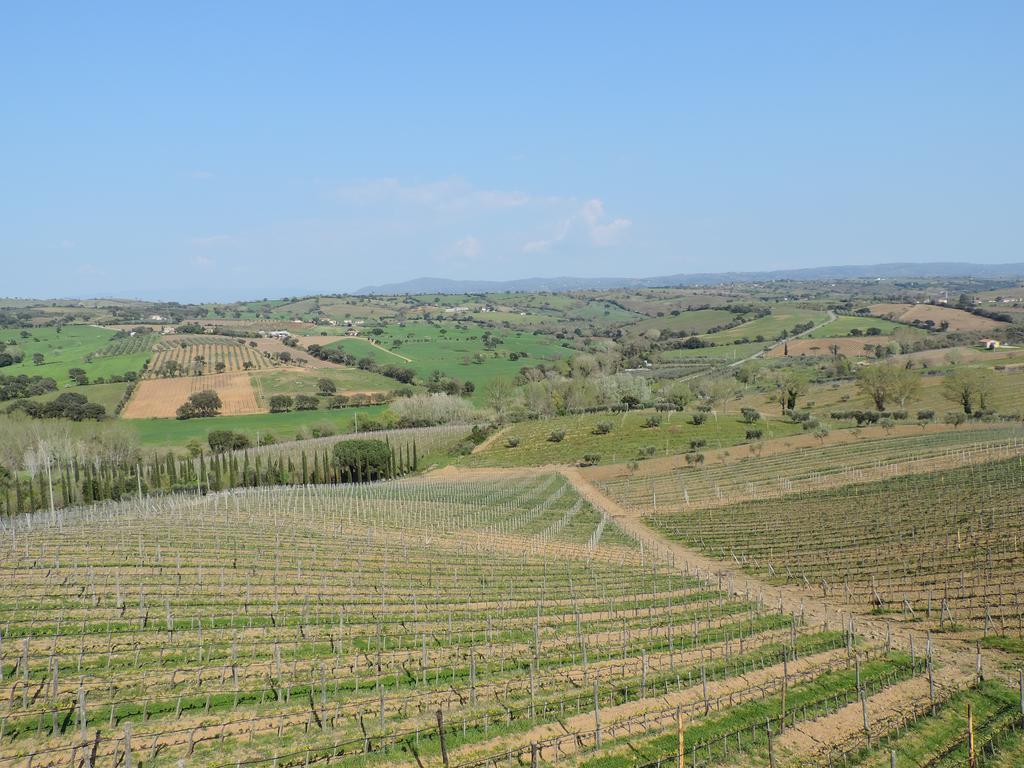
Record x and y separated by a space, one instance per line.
831 318
760 353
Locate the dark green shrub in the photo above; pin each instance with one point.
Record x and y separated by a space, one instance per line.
363 460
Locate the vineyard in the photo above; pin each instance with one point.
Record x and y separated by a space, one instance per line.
812 468
200 355
140 343
942 550
415 622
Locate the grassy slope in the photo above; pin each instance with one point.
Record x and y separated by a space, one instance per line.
294 382
68 349
842 326
627 437
107 395
173 433
782 318
452 352
695 322
723 352
1007 396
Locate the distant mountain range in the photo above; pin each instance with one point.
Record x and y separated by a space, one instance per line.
849 272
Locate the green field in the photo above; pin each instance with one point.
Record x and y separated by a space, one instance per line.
66 349
107 395
292 382
723 352
690 323
171 433
457 351
628 437
782 318
843 324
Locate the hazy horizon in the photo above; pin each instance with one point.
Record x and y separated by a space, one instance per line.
242 151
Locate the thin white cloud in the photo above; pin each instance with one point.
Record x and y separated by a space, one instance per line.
601 233
590 221
468 247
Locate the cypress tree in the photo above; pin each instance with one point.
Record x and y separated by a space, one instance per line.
415 457
305 468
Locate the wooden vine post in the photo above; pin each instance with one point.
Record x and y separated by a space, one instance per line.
679 732
785 679
440 733
972 760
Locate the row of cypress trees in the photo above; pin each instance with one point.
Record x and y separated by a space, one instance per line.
77 482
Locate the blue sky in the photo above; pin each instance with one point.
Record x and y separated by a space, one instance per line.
230 150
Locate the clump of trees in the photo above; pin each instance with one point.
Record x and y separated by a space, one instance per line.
223 440
12 387
885 383
200 405
970 388
280 403
67 405
340 357
364 460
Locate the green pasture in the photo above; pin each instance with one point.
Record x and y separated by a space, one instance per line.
68 348
629 436
691 323
843 324
782 318
171 433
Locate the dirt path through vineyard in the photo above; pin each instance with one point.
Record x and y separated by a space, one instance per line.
955 660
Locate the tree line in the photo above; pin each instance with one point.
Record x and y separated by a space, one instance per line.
77 481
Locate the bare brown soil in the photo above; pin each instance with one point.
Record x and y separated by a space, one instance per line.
160 398
298 354
858 346
814 739
958 319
